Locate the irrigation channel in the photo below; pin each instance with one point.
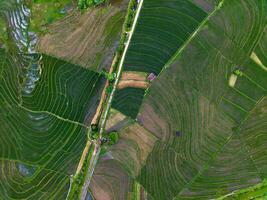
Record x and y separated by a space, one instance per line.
106 110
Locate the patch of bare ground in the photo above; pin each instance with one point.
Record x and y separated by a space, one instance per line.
85 152
132 83
109 181
153 122
144 139
116 120
131 75
88 39
133 148
112 179
133 79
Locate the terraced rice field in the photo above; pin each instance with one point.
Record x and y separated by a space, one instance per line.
258 191
219 126
163 27
66 90
40 150
210 137
110 181
197 132
89 39
128 156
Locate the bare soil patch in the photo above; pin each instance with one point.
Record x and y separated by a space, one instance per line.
87 39
153 122
132 83
144 139
114 120
137 76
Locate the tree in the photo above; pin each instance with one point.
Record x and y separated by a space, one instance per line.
109 89
113 137
83 4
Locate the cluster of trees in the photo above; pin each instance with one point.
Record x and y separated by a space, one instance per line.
94 135
109 138
110 78
127 27
83 4
113 138
131 13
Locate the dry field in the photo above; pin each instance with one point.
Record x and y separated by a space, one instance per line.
88 39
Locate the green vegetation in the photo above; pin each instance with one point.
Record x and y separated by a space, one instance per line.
3 33
110 138
135 195
83 4
193 47
158 35
223 131
128 101
38 151
109 89
222 145
67 90
262 49
109 76
46 12
78 179
94 135
163 27
256 192
113 138
113 28
131 11
238 72
131 14
92 36
43 132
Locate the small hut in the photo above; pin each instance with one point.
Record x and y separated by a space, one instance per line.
151 77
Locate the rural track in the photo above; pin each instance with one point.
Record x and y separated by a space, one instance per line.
97 149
